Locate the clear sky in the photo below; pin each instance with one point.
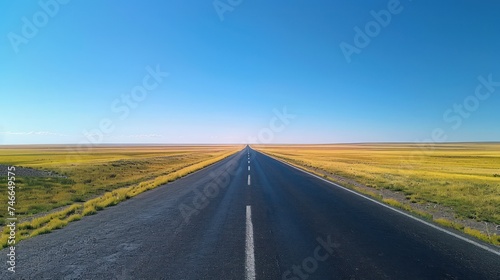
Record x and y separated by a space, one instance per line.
249 71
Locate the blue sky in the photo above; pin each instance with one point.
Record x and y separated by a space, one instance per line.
234 71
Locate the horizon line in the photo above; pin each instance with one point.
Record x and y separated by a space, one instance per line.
270 144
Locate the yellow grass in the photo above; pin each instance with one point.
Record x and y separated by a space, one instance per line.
101 177
462 176
448 223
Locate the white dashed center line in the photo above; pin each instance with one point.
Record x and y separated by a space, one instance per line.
249 179
250 256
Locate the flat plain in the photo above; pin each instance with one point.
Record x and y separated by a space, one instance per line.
70 182
463 177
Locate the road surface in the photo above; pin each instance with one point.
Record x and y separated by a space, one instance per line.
251 217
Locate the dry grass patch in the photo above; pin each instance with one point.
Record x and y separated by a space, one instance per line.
95 179
461 176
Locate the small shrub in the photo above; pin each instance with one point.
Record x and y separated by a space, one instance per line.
476 233
77 199
392 202
43 230
56 224
89 210
495 239
448 223
74 217
25 225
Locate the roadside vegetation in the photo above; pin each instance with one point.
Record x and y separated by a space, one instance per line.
462 177
83 183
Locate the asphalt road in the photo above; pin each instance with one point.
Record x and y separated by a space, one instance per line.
250 217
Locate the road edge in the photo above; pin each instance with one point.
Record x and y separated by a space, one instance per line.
477 243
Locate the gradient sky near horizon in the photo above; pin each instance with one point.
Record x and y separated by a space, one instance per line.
229 75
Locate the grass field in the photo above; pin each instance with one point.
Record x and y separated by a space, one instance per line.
463 177
91 180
